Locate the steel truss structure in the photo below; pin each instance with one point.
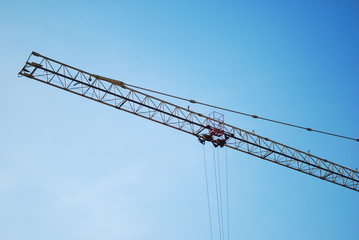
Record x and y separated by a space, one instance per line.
118 95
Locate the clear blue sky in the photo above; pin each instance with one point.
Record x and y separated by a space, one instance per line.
75 169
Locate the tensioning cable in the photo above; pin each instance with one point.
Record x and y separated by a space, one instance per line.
241 113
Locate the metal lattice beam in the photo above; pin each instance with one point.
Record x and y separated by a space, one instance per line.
116 94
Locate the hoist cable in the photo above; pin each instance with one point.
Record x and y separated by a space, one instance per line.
208 202
227 194
220 192
242 113
217 197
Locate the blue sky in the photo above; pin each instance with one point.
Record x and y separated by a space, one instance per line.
74 169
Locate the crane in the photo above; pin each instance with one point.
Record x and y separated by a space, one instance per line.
123 96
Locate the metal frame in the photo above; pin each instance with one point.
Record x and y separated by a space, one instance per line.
116 94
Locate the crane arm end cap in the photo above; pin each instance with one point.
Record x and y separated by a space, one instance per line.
36 54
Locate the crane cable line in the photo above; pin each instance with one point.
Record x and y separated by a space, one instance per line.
220 195
227 194
220 192
208 202
241 113
217 193
219 203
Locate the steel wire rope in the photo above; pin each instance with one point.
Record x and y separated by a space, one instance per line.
216 185
208 201
227 194
241 113
220 191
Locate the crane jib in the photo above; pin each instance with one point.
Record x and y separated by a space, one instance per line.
120 96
